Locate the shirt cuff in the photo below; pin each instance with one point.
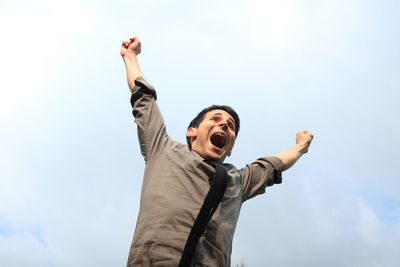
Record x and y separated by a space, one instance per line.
142 87
278 168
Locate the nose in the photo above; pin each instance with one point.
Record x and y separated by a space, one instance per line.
223 124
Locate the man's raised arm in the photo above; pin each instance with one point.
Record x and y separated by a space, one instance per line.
129 51
290 156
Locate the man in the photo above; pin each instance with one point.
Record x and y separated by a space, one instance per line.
176 178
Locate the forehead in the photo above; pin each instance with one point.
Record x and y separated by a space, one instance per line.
219 112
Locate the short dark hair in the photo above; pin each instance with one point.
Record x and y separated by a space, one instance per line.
199 118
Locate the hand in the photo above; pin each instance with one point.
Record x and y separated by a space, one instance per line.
131 47
304 138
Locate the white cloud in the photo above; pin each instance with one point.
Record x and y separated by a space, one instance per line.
29 250
35 44
73 169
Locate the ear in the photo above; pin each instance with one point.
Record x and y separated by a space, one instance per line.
191 132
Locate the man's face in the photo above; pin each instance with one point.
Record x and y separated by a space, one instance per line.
215 136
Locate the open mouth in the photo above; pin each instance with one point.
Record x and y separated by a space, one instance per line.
218 140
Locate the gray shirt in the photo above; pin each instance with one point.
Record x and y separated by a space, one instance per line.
175 185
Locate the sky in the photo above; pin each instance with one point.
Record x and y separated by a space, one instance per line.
70 165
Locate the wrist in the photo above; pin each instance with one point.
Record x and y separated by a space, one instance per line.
130 57
301 148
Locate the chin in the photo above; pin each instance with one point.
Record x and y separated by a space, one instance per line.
219 158
210 154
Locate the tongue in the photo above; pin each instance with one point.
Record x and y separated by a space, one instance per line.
218 140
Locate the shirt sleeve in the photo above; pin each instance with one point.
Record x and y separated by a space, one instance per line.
258 175
151 129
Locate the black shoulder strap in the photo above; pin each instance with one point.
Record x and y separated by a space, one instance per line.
211 202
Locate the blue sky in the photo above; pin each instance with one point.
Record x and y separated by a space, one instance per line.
70 166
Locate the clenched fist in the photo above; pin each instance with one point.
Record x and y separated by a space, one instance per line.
304 139
133 47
